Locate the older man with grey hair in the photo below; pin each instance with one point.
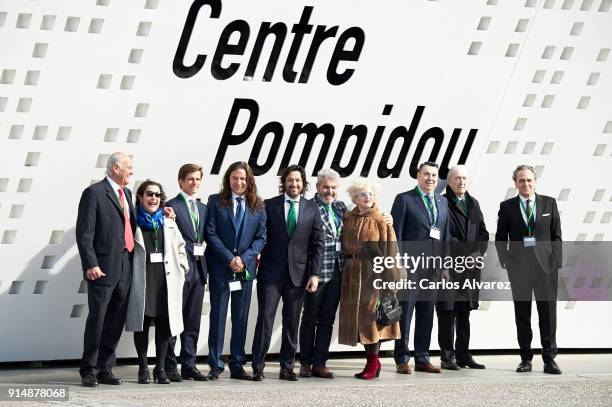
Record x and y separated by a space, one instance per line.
469 238
105 239
320 306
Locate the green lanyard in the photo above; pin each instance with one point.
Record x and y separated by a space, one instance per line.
332 216
194 218
155 230
246 275
530 216
429 205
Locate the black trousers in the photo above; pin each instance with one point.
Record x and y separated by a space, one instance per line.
193 298
268 297
318 321
105 320
162 336
448 322
543 286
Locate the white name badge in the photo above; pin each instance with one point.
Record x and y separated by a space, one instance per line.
338 246
434 233
235 286
198 249
529 241
157 257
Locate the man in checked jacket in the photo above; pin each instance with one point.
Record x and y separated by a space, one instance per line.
320 306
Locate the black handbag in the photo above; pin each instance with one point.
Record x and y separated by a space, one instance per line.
388 311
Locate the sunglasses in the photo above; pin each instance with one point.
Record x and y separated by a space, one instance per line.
149 194
366 194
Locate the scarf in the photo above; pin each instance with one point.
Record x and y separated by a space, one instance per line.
147 221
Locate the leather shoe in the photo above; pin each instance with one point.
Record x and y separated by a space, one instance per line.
427 368
449 365
305 371
89 381
174 375
241 375
159 376
552 368
470 362
214 373
193 374
109 378
403 368
258 375
524 366
287 374
323 372
144 377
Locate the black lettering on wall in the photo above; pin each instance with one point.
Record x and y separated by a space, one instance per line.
311 131
225 48
341 54
276 129
178 65
279 30
435 133
299 30
399 132
359 131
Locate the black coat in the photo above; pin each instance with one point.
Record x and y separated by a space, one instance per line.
468 235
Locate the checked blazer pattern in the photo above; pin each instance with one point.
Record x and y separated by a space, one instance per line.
330 254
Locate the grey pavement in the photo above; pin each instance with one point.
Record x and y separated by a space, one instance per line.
586 380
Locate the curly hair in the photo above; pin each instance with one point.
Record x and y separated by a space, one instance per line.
286 172
143 187
250 196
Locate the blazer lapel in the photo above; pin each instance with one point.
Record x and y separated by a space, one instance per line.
420 204
519 213
230 214
325 219
113 197
183 214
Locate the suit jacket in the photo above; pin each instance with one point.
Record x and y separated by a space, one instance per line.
175 265
330 254
411 224
511 229
468 234
222 238
100 230
185 225
297 257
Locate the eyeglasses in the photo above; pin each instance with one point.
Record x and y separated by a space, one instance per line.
366 195
149 194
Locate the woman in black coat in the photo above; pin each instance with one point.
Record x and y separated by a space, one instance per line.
469 237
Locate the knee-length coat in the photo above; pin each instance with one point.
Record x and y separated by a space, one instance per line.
363 238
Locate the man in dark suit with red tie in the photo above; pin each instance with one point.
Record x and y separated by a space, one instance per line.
104 236
528 243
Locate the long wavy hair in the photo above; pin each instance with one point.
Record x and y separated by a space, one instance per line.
250 196
285 174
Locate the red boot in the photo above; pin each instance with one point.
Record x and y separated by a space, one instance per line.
372 368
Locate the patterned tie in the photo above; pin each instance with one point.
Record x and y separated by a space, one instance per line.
333 220
127 229
291 218
195 216
463 205
530 219
431 208
239 215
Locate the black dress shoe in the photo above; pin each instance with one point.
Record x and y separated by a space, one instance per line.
159 376
241 375
552 368
174 375
144 376
89 381
214 373
193 374
109 378
449 365
287 374
258 375
524 366
469 362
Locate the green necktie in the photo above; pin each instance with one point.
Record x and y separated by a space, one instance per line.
291 218
463 205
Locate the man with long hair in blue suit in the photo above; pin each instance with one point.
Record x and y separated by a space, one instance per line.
236 230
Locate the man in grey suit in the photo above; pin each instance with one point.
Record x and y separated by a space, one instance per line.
421 223
290 265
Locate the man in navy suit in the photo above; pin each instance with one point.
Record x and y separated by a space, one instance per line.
528 243
290 266
236 230
105 239
421 223
191 221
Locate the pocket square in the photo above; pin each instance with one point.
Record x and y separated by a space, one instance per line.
546 214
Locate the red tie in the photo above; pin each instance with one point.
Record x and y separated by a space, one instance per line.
127 231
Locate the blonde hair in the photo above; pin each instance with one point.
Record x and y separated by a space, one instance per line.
361 184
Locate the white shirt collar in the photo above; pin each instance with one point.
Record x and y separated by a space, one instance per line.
531 198
188 197
426 193
288 198
114 185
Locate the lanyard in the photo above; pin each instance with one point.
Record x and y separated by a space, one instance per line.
155 239
429 205
194 218
529 217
